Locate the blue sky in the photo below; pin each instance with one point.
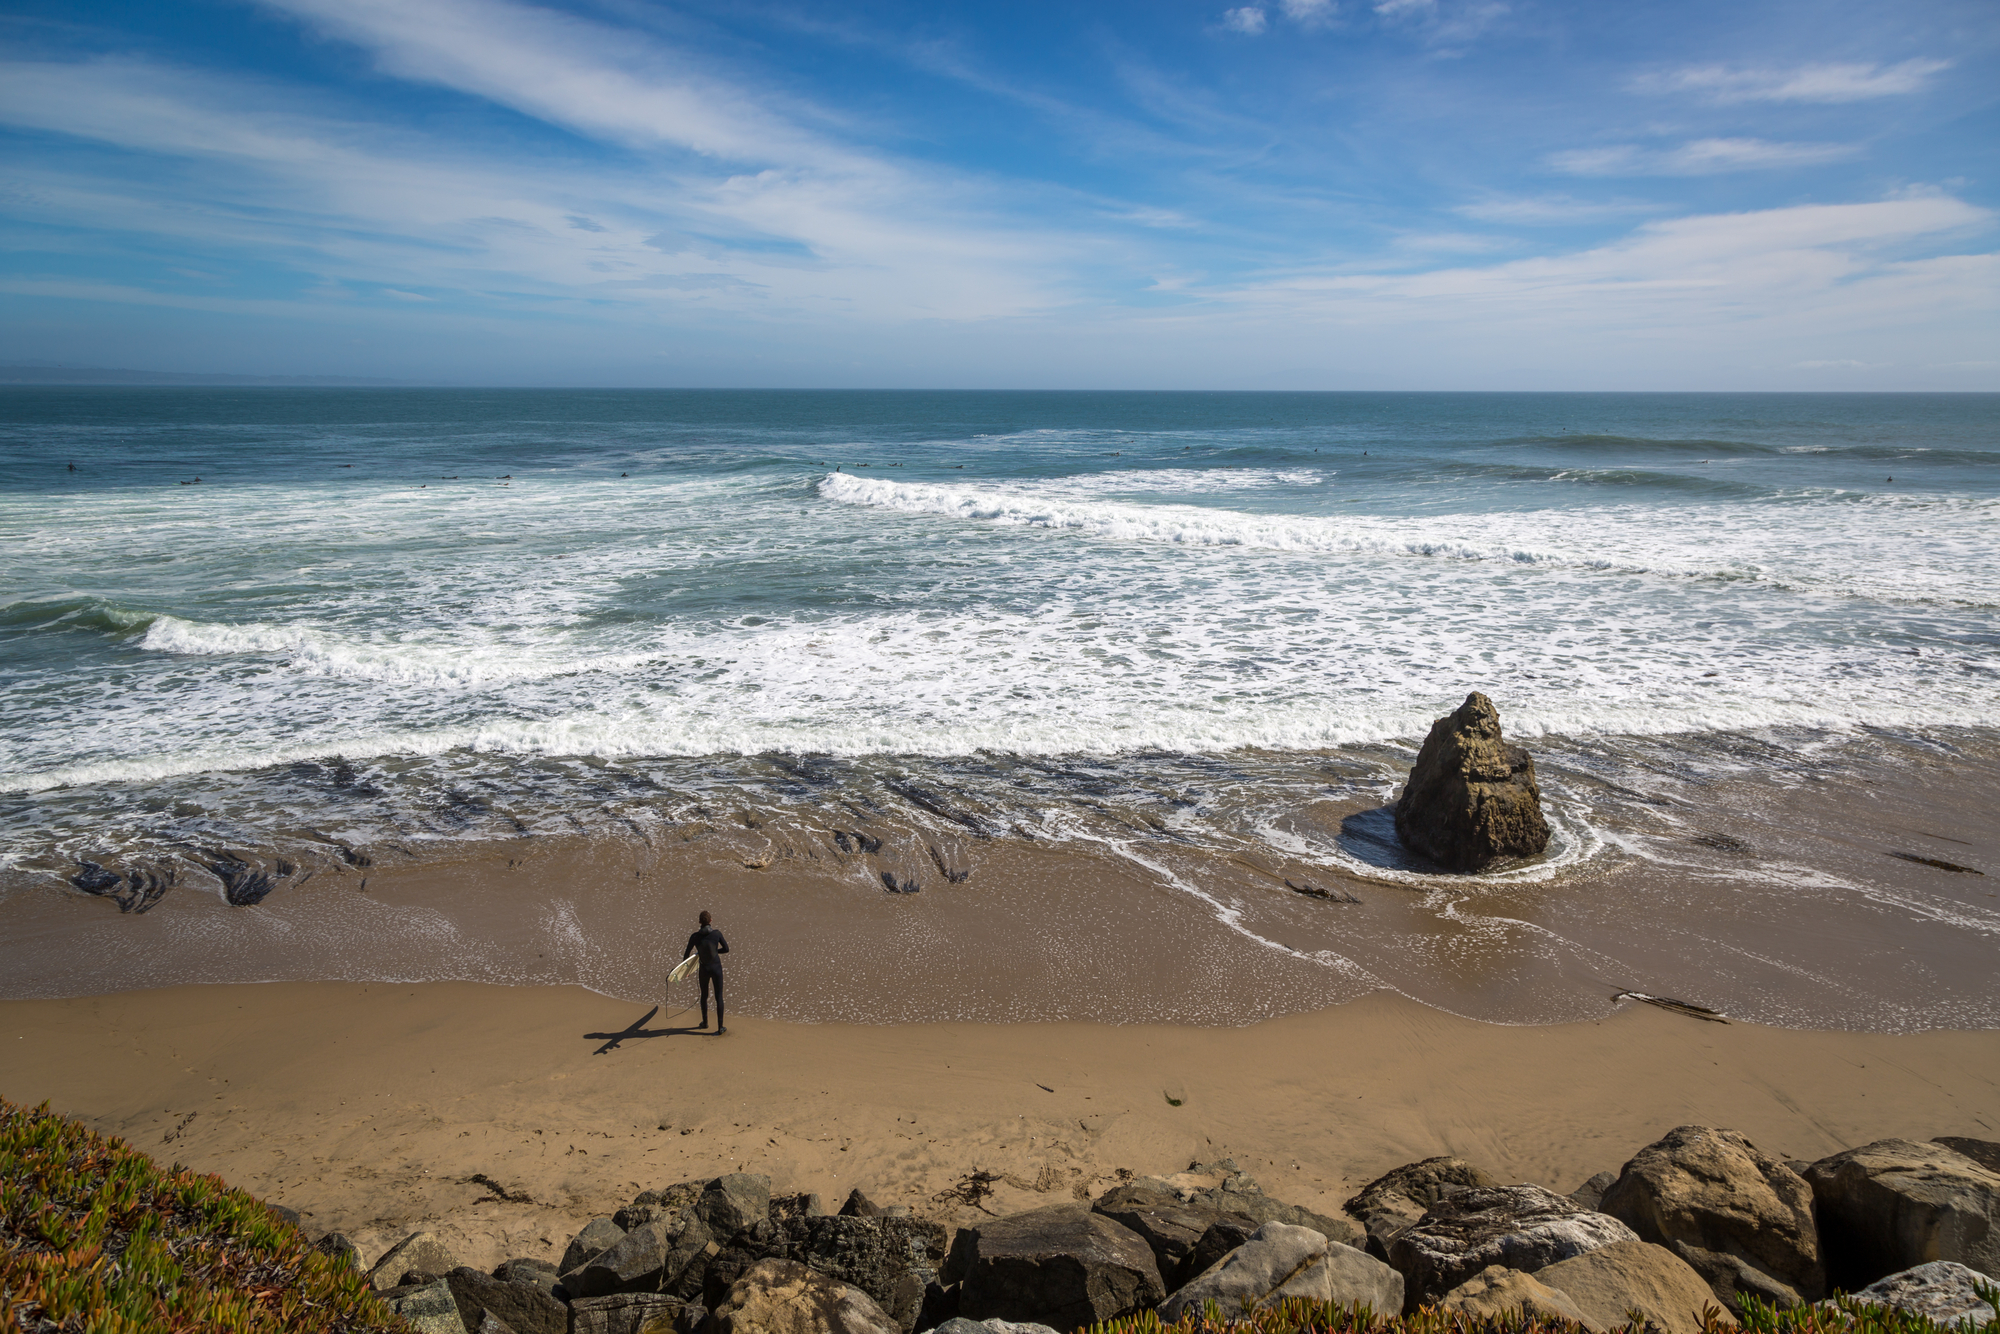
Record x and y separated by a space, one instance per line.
1313 194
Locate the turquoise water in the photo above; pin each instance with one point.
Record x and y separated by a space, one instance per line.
453 614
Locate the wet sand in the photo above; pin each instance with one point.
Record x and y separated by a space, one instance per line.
372 1107
1782 884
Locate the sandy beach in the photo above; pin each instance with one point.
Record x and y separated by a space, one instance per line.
506 1116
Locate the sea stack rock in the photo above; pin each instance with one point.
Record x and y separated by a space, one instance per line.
1471 797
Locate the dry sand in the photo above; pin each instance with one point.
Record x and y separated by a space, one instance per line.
375 1108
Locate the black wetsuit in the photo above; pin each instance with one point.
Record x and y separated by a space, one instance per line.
710 945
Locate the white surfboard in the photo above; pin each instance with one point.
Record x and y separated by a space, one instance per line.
685 968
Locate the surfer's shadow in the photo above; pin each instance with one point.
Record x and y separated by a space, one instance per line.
637 1029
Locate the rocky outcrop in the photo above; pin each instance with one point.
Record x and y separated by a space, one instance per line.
427 1306
1896 1204
419 1253
653 1257
782 1297
1495 1292
598 1236
1221 1238
1471 798
1171 1228
1394 1201
734 1203
1521 1227
1061 1266
1627 1276
525 1308
341 1248
1741 1218
1227 1189
1943 1290
635 1313
1280 1262
894 1259
960 1325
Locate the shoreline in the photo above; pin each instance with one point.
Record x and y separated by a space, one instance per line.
375 1108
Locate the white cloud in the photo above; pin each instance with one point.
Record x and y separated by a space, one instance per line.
1309 13
1699 157
1805 83
1817 266
1249 20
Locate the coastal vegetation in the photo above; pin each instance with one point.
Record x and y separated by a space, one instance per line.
97 1238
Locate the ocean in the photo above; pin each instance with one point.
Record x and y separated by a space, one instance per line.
329 629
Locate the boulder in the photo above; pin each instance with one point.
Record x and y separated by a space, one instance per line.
526 1308
1982 1151
289 1214
1281 1262
1061 1266
1635 1275
858 1205
538 1272
598 1236
1495 1293
633 1313
1521 1227
1896 1204
960 1325
895 1260
655 1257
1943 1290
1591 1193
492 1324
1471 797
1222 1237
782 1297
420 1252
1225 1189
734 1203
1740 1217
427 1306
1170 1227
786 1207
1395 1200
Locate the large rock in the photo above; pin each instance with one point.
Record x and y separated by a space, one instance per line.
734 1203
1281 1262
1220 1239
525 1308
1740 1217
1394 1201
894 1259
634 1313
1521 1227
1635 1276
1896 1204
1226 1189
419 1253
958 1324
1495 1292
781 1297
1591 1193
1061 1266
1943 1290
1471 797
427 1306
653 1257
598 1236
1171 1228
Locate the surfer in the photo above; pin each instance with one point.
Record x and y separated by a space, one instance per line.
709 944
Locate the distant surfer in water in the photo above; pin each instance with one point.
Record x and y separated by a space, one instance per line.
709 944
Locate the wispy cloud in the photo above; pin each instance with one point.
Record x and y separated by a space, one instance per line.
1803 83
1248 20
1554 210
1700 157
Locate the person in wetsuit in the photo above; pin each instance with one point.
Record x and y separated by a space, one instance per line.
708 943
